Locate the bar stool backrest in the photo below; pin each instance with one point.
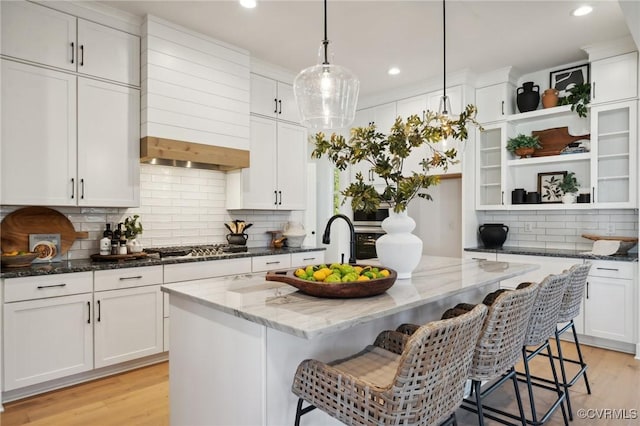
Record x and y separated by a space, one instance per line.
429 383
572 298
500 344
546 309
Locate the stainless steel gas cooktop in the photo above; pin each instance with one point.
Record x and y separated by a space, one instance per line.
196 250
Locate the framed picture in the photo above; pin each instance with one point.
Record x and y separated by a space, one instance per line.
46 245
563 80
548 186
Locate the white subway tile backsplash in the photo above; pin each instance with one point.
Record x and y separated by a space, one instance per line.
177 207
562 228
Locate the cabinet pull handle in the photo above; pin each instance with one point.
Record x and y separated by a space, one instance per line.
587 289
82 55
280 105
89 308
593 194
280 194
40 287
275 262
477 258
502 108
82 185
73 52
137 277
309 258
502 198
99 311
73 188
608 269
276 102
275 194
593 91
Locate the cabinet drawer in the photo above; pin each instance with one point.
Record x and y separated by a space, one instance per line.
269 263
206 269
613 269
28 288
307 258
129 277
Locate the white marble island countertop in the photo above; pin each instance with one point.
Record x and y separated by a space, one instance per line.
282 307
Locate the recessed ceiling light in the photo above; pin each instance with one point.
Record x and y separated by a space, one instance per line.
249 4
582 10
393 71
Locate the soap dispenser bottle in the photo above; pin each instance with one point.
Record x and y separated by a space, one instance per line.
105 242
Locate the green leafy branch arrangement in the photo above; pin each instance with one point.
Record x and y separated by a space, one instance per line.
578 97
386 154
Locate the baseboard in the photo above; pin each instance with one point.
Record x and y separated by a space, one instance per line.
598 342
82 377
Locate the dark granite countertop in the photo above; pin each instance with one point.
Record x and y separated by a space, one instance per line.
532 251
82 265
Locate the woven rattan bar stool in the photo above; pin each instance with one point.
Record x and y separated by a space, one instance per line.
498 348
399 380
542 325
570 309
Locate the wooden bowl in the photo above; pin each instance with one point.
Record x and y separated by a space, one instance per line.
18 260
336 290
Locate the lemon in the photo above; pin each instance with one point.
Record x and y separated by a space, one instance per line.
319 275
358 269
384 273
363 278
300 273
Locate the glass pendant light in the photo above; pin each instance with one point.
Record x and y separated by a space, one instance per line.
326 94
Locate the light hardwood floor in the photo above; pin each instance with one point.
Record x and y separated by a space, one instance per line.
141 397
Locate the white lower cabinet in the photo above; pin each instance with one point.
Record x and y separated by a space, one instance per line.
47 328
269 263
548 265
609 308
128 324
307 258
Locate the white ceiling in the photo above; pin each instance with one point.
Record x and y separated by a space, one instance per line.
370 36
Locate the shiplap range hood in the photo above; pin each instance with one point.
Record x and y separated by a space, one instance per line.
195 99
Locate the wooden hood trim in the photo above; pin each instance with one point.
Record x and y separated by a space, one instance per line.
221 158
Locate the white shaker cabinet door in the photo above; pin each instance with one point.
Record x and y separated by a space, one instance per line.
38 34
609 309
108 144
108 53
292 167
614 78
47 339
287 106
259 180
128 324
264 96
38 136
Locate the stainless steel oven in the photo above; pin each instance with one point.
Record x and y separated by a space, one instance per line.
366 242
370 219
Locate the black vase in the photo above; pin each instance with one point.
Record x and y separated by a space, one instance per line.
527 98
518 195
493 235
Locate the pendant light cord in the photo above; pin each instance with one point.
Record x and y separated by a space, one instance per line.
325 42
444 51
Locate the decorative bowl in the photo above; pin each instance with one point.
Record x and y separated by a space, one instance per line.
294 240
336 290
17 260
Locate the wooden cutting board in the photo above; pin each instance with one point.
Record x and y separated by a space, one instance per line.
609 237
16 227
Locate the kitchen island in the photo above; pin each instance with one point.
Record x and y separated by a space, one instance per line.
237 341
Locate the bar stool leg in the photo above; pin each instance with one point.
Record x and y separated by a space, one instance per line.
476 389
514 377
582 363
558 388
564 376
527 373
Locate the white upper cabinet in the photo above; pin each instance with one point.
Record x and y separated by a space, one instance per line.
108 53
614 78
38 148
45 36
38 34
490 172
494 102
273 99
416 105
276 179
108 124
455 97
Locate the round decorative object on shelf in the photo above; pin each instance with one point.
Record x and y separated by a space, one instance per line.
525 152
493 235
399 249
569 198
550 98
527 98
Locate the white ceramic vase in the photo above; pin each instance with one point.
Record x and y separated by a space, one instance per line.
134 246
569 198
399 249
